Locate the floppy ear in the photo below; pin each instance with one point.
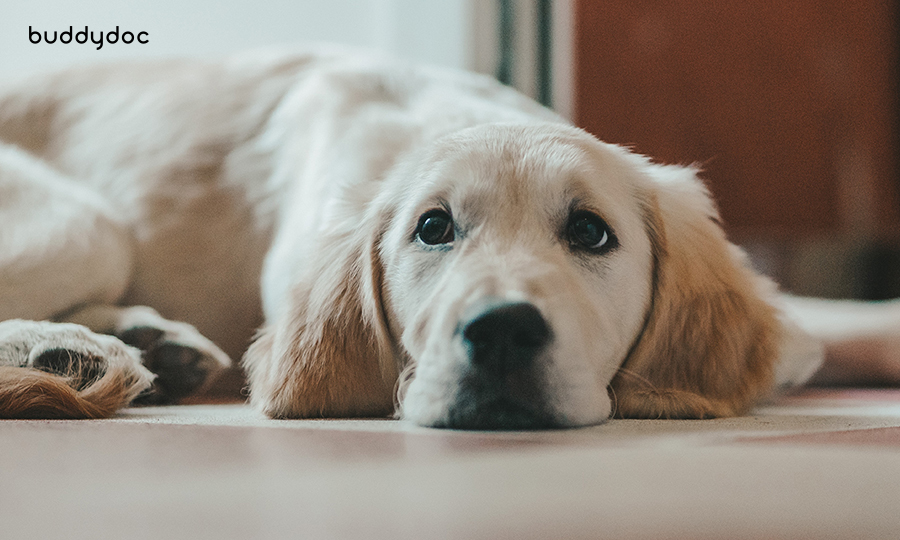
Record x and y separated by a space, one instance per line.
710 340
329 354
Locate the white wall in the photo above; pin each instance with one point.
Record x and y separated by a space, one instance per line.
433 31
455 33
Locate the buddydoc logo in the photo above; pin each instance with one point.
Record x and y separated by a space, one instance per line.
82 36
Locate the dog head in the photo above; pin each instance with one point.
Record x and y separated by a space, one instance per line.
523 276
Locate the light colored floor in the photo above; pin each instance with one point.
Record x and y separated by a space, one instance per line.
823 464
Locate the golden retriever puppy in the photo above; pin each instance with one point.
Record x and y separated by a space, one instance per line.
408 240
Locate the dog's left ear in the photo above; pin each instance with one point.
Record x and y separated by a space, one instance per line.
329 354
710 340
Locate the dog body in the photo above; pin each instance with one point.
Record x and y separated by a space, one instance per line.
411 240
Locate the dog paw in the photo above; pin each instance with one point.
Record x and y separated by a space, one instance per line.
81 367
69 350
183 360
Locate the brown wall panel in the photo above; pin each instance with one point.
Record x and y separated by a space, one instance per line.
788 106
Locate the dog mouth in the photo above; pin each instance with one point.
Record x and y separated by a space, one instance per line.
501 385
498 379
497 415
500 388
500 402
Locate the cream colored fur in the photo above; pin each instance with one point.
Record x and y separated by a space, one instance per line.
281 192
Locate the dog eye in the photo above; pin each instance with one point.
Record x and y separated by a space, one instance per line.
588 231
435 227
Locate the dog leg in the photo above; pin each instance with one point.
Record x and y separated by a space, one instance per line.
183 360
59 370
60 243
861 339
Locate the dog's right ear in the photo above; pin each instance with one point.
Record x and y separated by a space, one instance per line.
329 353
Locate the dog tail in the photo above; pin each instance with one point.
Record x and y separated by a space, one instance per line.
27 393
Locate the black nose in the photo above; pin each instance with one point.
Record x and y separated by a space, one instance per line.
506 337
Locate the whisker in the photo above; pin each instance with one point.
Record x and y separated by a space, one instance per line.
615 401
640 378
403 381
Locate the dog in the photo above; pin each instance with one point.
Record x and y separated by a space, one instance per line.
387 238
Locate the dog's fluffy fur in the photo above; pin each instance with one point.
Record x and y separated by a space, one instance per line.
290 191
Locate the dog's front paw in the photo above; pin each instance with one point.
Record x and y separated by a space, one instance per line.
66 349
104 372
183 360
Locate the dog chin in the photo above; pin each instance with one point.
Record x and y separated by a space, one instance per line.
481 405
